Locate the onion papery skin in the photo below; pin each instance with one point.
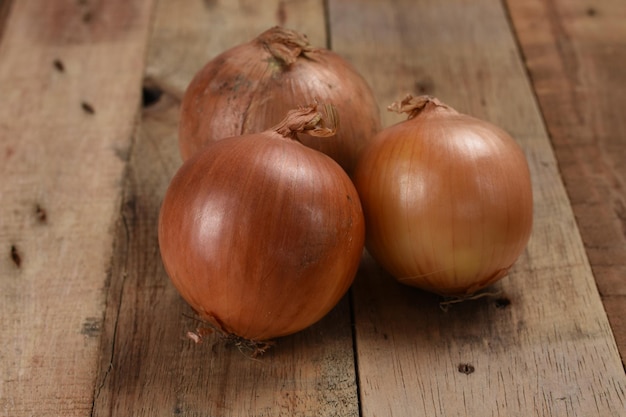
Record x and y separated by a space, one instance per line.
248 89
447 200
261 235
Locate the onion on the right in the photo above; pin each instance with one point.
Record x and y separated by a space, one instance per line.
447 199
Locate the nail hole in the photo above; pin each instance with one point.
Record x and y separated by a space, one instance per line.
87 108
15 256
150 95
425 86
58 65
502 302
466 368
91 327
87 17
41 214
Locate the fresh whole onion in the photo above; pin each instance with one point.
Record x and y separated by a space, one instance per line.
250 87
260 234
447 199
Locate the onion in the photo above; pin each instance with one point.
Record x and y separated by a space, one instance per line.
260 234
447 199
249 88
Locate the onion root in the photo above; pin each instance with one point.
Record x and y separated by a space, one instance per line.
250 348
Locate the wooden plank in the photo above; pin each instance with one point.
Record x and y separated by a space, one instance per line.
202 29
575 54
67 76
148 367
5 8
543 346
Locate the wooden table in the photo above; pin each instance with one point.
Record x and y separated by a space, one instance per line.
89 322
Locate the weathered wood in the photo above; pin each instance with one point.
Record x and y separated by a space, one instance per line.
576 56
89 323
5 8
542 347
148 367
187 37
68 77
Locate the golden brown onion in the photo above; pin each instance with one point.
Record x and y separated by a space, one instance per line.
261 235
250 87
447 199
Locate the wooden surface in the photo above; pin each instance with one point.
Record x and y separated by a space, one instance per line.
90 324
577 64
66 131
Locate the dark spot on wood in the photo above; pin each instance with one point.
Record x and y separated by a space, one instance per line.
41 214
130 206
87 14
210 4
37 361
122 154
466 368
591 12
385 336
91 327
150 95
58 65
15 256
425 86
87 17
87 108
502 302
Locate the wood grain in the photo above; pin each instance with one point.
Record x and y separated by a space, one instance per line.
91 326
148 366
544 344
57 212
187 37
5 8
575 54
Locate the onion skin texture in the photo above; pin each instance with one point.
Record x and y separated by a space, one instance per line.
447 200
261 235
250 87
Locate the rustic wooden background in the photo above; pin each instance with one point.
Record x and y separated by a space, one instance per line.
89 323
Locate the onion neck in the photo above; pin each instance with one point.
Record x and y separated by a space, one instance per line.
415 106
314 120
285 45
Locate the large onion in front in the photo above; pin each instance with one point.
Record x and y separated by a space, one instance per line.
260 234
250 87
447 199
